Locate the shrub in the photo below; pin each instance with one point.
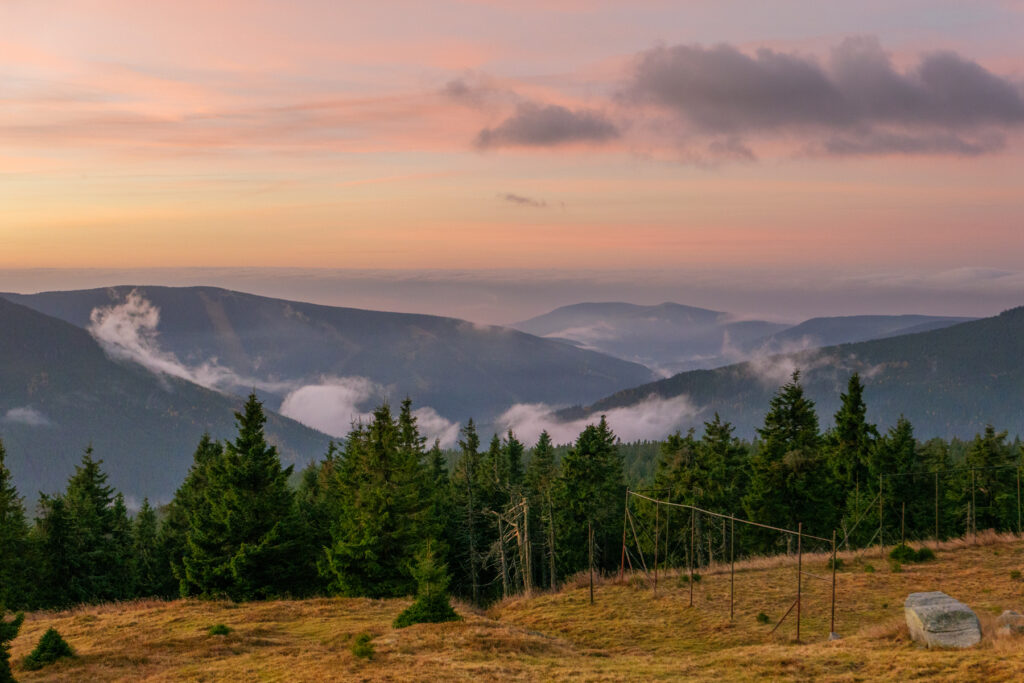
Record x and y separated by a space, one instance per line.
902 553
1015 574
839 563
895 567
219 630
50 648
362 647
924 554
762 618
8 631
869 568
432 605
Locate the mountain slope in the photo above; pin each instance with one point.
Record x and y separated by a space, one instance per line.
817 332
59 392
669 337
948 382
457 368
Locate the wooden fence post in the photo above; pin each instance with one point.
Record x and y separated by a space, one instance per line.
799 573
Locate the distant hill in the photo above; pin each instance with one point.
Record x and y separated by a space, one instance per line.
948 382
667 337
59 392
458 368
818 332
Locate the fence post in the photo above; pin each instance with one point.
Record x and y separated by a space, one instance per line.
625 519
799 573
1018 501
832 628
590 534
732 564
974 510
936 509
657 542
881 513
903 524
689 561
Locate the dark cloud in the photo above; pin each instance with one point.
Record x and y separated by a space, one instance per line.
464 92
521 200
859 102
534 125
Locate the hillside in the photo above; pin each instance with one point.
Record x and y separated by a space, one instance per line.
59 392
833 331
629 634
948 382
455 367
668 336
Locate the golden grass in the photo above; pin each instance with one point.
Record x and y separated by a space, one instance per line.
630 633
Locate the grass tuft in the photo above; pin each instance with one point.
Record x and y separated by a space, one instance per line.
362 646
219 630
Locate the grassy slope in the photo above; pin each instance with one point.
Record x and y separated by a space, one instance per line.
629 633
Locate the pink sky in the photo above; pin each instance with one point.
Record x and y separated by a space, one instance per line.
486 134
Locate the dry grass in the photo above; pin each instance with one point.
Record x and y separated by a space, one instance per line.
629 633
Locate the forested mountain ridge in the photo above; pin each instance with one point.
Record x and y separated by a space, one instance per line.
456 367
947 382
674 338
59 393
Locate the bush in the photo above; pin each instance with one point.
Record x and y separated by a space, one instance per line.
839 563
924 554
1015 574
895 567
869 568
432 605
362 647
50 648
762 618
8 632
904 553
219 630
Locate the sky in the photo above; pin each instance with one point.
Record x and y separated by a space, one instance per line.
807 157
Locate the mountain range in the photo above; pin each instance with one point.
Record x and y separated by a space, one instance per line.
60 393
671 338
948 382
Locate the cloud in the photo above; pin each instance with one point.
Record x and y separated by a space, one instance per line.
26 415
128 331
334 404
652 418
534 125
521 200
857 103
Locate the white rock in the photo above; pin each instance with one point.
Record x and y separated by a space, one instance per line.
938 620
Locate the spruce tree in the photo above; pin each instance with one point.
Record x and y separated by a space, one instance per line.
241 542
189 499
788 481
150 573
589 496
994 502
14 542
467 501
541 475
318 504
383 507
52 538
8 632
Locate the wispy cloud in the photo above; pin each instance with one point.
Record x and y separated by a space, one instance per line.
26 415
522 201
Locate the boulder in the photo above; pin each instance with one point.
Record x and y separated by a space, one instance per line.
1010 623
937 620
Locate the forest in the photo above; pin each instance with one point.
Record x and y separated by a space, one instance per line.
504 517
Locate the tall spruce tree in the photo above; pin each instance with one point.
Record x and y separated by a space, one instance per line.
242 541
789 482
52 538
189 499
150 572
98 554
14 543
994 461
541 476
383 506
466 498
589 495
851 440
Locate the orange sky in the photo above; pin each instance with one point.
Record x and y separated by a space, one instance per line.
459 134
